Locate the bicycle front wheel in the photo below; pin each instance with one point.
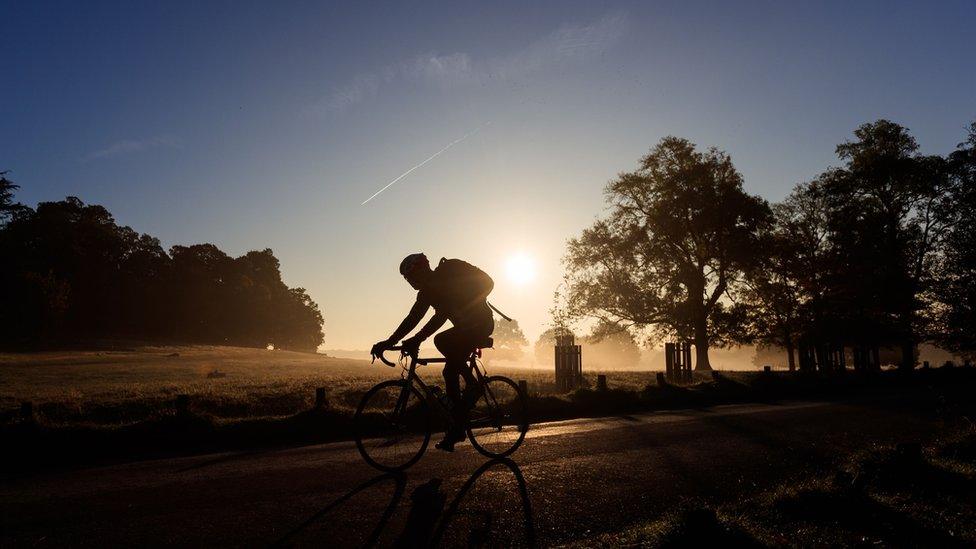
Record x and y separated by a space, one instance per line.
499 419
392 426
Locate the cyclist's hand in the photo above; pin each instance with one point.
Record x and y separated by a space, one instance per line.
411 346
379 347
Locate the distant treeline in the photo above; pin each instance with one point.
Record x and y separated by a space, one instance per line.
877 252
69 272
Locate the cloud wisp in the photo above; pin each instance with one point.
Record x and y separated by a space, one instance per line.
128 146
566 45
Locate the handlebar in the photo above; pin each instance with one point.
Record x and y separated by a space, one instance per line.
387 362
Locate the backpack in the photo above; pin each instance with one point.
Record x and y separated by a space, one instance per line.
467 283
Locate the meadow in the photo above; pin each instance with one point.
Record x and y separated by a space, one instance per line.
119 403
124 385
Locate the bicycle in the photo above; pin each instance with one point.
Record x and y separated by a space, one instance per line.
393 419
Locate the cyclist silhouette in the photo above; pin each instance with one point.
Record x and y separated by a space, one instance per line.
458 292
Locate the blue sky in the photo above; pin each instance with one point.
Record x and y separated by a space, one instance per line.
254 125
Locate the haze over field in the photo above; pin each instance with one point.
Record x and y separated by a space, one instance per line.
273 131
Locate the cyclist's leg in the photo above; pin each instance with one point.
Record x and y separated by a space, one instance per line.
473 336
447 343
456 344
468 340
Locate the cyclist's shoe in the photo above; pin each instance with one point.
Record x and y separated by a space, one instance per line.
450 439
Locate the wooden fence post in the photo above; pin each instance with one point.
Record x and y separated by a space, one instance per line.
686 363
669 361
569 363
182 405
27 411
524 388
601 382
320 397
661 381
579 365
677 362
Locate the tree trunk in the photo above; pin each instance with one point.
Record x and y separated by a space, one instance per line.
789 354
908 344
701 347
907 355
701 358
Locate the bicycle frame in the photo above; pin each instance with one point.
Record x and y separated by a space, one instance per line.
385 411
413 379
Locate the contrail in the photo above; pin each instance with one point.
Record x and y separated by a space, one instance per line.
433 156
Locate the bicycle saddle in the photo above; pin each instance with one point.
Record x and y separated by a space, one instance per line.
485 343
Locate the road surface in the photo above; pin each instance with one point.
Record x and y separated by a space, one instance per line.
570 480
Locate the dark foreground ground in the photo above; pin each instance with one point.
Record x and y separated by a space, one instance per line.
590 481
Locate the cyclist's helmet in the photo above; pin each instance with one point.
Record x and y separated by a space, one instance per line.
412 262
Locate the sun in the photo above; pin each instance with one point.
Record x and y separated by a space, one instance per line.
520 268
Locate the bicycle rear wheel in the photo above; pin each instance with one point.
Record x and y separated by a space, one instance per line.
392 426
499 419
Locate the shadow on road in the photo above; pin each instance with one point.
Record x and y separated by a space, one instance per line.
483 535
226 458
430 516
400 484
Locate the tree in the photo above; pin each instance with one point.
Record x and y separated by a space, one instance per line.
885 226
783 285
669 257
7 205
204 277
956 285
509 341
775 303
299 322
69 271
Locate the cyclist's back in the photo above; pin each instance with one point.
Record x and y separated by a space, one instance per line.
460 290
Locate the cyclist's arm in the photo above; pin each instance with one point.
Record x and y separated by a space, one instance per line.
432 326
413 318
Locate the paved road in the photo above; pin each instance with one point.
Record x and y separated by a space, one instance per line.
569 480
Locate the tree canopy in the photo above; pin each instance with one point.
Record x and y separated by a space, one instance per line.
783 286
667 259
7 205
887 208
70 272
509 340
955 289
877 252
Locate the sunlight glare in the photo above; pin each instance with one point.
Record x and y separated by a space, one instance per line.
520 268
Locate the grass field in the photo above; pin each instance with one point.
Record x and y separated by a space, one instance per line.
118 404
126 385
